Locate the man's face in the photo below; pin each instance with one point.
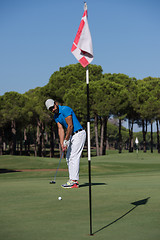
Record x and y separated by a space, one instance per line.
54 109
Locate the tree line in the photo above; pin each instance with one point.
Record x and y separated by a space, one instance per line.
25 122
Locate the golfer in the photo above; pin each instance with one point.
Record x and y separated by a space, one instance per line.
73 141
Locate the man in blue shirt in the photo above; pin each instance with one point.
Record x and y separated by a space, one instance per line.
73 140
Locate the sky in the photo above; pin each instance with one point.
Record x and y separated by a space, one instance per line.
36 37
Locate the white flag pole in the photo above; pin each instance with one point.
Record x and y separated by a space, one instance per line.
83 52
89 149
89 143
88 114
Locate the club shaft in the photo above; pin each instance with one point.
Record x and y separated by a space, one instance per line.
58 166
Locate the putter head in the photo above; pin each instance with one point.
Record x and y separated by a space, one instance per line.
52 182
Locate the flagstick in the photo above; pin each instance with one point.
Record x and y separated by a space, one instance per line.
89 148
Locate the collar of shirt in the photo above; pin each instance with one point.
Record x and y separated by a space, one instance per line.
60 109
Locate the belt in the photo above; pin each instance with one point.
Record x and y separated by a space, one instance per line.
78 131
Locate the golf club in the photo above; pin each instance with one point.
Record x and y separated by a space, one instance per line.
54 181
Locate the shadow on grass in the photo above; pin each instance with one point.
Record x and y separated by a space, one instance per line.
3 170
136 204
93 184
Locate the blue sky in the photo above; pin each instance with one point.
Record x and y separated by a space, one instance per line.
36 38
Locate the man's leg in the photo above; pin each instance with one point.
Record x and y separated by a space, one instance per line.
77 144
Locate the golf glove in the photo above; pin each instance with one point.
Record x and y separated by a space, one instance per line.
66 143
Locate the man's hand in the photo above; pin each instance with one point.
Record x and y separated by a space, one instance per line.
65 145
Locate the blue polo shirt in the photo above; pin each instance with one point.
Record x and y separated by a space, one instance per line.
64 112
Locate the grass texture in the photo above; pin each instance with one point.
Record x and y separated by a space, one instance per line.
125 199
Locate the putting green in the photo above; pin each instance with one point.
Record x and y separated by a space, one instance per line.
30 208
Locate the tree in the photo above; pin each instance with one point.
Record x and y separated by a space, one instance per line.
148 100
39 117
100 96
132 115
108 97
24 118
13 115
153 86
1 127
120 99
69 77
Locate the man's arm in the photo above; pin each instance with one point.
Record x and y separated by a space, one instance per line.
68 132
61 134
69 128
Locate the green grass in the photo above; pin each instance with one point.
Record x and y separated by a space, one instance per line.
30 209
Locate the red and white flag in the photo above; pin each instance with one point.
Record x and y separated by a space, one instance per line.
82 45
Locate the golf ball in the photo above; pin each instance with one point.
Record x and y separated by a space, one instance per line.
59 198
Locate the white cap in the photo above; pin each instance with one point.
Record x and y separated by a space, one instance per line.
49 103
